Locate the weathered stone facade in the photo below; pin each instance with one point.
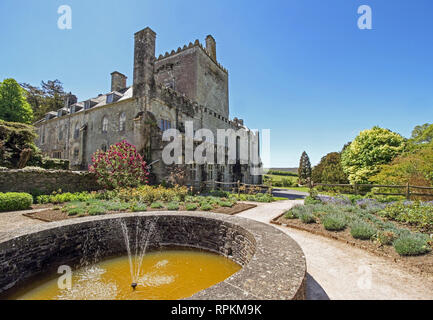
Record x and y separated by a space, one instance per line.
185 85
46 181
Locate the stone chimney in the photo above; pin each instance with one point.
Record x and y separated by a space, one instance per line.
144 62
211 47
70 99
118 81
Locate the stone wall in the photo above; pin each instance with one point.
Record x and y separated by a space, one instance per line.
46 181
273 264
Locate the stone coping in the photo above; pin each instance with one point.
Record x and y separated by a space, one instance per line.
273 264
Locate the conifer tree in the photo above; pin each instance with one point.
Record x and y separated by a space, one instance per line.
304 170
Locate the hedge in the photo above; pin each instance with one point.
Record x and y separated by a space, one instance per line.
13 201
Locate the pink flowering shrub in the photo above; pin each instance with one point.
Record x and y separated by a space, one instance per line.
120 166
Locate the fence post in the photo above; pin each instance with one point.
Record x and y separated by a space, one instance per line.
239 189
408 191
355 188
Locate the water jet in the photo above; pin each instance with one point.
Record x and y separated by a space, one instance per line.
270 265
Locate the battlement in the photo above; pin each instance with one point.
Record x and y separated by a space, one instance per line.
191 45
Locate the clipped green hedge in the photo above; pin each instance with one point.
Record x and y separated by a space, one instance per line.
13 201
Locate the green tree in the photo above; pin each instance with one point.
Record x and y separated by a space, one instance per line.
304 170
415 168
13 104
50 97
370 149
422 134
329 170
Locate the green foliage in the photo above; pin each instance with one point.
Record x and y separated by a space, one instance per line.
96 210
157 205
416 214
260 197
206 206
282 173
386 237
311 200
191 206
414 167
371 148
13 104
139 207
219 193
334 222
226 204
307 217
329 170
50 97
422 134
290 215
411 245
14 138
304 171
173 206
59 197
13 201
362 230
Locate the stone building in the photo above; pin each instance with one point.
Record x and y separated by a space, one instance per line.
187 84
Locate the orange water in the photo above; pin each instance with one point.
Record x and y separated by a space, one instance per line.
166 275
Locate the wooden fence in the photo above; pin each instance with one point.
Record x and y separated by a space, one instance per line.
357 189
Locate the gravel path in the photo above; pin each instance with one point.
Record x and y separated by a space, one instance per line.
338 271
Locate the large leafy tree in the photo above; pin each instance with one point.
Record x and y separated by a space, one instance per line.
422 134
415 168
49 97
13 103
370 149
329 170
304 170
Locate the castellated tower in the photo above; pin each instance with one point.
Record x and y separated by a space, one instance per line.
211 47
144 62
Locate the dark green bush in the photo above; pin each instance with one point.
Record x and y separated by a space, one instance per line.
13 201
334 222
411 245
362 230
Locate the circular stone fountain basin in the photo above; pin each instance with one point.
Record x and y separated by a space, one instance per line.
273 264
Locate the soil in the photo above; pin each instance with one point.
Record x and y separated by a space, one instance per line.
51 215
422 263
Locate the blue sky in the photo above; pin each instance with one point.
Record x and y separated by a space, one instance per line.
301 68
